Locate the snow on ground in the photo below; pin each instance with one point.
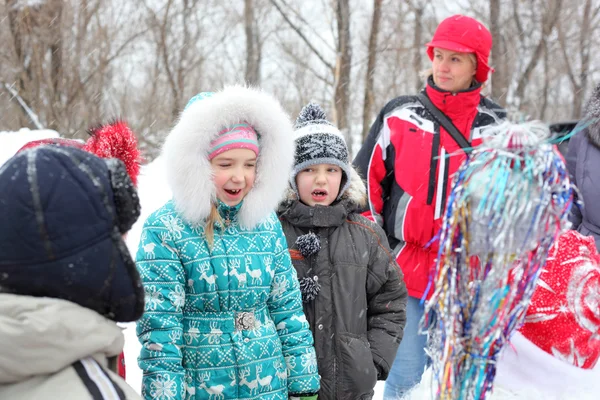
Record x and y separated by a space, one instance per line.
11 142
154 192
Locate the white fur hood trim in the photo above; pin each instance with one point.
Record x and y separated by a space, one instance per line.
189 172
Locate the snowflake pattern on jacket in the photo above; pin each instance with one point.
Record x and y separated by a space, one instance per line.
226 323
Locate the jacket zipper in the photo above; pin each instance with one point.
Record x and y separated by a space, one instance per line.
334 324
227 220
433 164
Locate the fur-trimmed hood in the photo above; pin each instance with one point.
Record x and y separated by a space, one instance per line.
355 195
188 170
592 111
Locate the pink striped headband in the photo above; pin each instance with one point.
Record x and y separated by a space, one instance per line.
238 136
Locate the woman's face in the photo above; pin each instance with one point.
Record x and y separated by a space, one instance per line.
452 71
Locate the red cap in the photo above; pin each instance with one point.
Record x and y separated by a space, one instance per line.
465 35
563 318
52 141
112 140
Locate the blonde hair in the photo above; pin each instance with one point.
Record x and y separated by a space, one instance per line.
209 230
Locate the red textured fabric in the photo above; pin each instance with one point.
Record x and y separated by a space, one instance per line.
563 318
116 140
113 140
121 365
465 35
52 141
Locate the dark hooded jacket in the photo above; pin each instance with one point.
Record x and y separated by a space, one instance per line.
358 315
583 163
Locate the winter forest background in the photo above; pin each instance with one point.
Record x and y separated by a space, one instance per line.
69 64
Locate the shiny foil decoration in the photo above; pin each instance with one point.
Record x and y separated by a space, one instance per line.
563 318
509 202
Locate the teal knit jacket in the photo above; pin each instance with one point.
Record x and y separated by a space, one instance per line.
225 322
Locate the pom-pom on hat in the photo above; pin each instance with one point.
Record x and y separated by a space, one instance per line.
319 142
116 140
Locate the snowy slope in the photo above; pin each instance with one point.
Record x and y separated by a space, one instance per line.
154 192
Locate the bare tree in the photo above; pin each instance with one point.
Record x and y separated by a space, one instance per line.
549 19
341 70
371 63
68 64
173 30
578 77
418 9
545 89
253 46
57 67
343 67
500 79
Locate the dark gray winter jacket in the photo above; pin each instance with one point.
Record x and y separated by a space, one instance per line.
583 163
358 315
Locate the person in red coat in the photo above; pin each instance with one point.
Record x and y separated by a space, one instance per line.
112 140
413 149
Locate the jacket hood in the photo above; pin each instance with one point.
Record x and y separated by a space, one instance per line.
186 150
592 111
41 336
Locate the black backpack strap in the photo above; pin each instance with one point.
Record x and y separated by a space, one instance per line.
444 121
97 381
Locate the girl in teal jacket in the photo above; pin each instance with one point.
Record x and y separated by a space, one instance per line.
223 317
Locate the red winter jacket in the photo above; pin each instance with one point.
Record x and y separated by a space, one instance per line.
406 162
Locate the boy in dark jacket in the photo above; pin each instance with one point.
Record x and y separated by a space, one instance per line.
353 291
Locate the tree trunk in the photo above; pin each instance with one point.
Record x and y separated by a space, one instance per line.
371 62
343 68
252 45
544 99
548 23
584 48
500 77
14 22
56 67
417 46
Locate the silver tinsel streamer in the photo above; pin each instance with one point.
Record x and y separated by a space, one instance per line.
509 202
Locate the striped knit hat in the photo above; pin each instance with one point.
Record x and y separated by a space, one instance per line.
319 142
238 136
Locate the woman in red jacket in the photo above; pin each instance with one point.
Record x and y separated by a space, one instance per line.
414 147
